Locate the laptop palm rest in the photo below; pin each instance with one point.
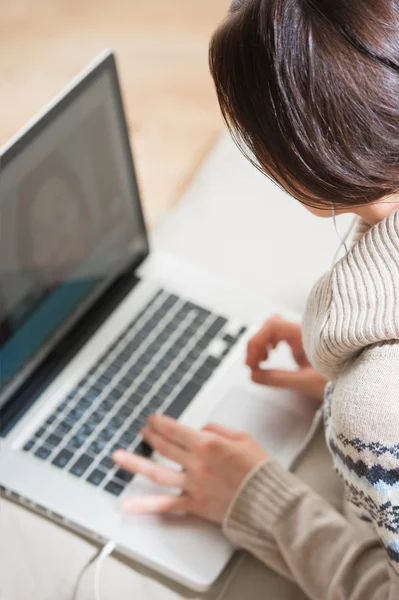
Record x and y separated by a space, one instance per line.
187 544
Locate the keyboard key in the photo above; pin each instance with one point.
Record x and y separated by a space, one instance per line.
53 440
143 389
116 421
107 462
96 417
146 412
29 445
63 428
96 477
174 379
103 381
182 400
76 441
125 382
96 447
92 393
127 438
200 311
124 475
194 354
62 459
114 488
216 326
115 447
114 394
40 432
212 363
83 404
170 300
73 416
203 374
125 410
112 370
105 406
229 339
134 372
105 434
43 452
174 351
92 371
143 449
81 465
86 429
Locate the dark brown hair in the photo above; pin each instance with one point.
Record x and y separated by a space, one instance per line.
310 91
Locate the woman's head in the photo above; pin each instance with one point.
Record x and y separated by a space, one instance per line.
310 89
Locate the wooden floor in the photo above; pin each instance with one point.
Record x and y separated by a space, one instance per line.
162 49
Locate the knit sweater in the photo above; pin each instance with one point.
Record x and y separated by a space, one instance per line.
351 335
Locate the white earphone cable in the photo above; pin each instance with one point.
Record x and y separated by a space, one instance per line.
343 239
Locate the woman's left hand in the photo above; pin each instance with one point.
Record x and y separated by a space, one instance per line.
214 461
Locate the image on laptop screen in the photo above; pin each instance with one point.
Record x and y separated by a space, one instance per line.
70 222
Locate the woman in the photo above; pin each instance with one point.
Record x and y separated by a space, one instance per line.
311 89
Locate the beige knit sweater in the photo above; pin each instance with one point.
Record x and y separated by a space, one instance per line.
351 335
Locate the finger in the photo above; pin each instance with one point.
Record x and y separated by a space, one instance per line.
304 381
150 469
257 352
175 432
278 378
166 448
274 331
155 504
259 344
225 432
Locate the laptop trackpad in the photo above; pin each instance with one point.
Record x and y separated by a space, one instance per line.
271 417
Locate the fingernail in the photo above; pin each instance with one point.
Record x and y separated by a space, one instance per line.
119 456
127 505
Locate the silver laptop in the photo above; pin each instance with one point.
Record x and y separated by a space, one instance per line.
97 333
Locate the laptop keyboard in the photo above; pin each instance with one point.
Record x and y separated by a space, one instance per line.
157 365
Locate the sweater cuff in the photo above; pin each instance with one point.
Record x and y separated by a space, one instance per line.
260 502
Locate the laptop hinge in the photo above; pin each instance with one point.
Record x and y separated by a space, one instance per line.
63 352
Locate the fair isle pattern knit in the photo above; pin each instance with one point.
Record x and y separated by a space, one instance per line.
370 471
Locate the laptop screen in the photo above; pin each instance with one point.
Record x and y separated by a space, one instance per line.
71 222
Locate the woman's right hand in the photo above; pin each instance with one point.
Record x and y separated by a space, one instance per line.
304 380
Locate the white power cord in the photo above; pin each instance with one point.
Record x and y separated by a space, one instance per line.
108 549
100 557
105 553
